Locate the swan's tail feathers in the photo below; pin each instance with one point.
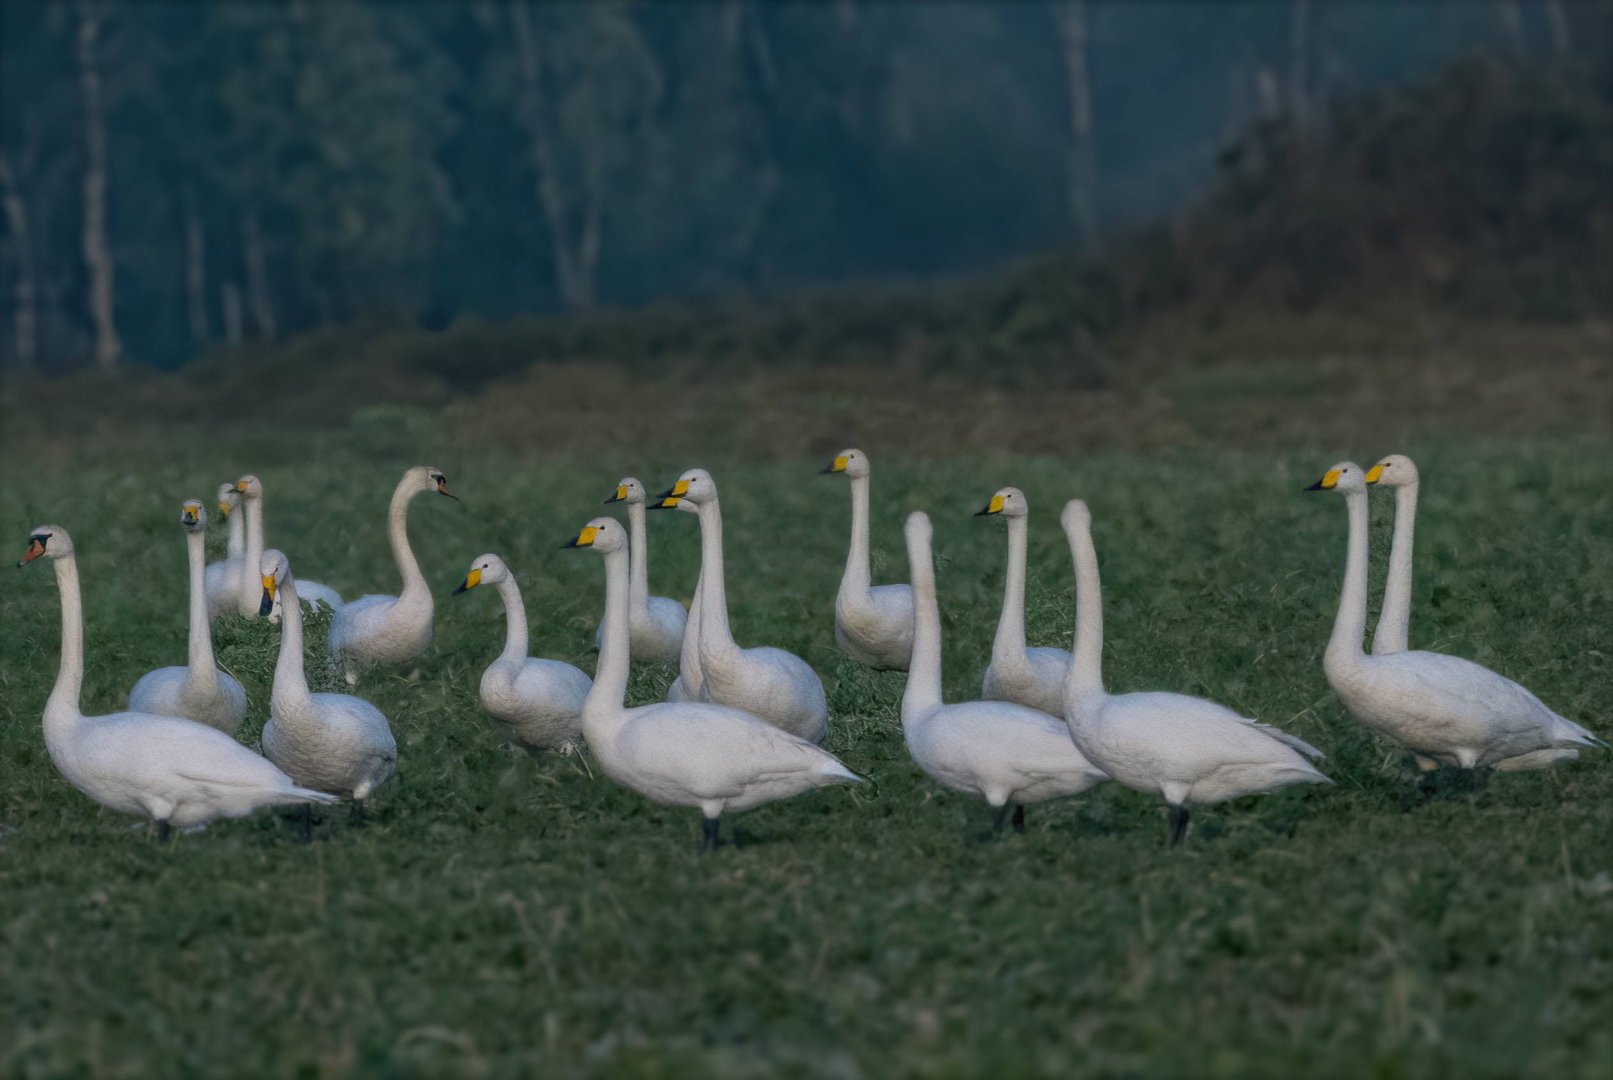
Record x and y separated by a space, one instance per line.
1539 759
1568 733
1293 741
309 795
837 773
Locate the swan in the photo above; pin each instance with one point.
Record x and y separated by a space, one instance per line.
717 758
199 691
174 771
656 625
224 577
873 623
1007 754
776 685
1394 621
690 685
1033 677
1445 710
1188 750
330 742
391 629
537 703
250 491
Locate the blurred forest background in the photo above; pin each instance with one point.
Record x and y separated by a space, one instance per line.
183 177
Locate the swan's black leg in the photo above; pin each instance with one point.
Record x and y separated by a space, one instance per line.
356 817
1019 818
307 823
165 832
1179 816
999 818
708 834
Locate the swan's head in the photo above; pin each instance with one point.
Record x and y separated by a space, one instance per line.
1075 516
603 534
854 463
484 570
1396 470
228 500
193 515
51 541
1009 502
426 478
693 489
628 490
1345 477
274 568
249 487
918 529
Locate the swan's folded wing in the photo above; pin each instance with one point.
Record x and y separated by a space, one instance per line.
1471 687
712 750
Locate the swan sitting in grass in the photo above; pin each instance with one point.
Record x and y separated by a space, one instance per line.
174 771
718 759
873 623
1033 677
391 629
198 691
224 577
1008 754
656 623
536 703
250 490
1185 749
1445 710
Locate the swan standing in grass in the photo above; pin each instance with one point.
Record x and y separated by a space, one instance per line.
199 691
873 623
391 629
776 685
657 623
1033 677
174 771
1187 750
1007 754
1394 621
331 742
1445 710
719 759
250 490
537 703
224 577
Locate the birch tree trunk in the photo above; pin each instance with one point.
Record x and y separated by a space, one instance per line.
1082 155
1511 16
97 256
232 314
25 315
1299 47
195 269
257 278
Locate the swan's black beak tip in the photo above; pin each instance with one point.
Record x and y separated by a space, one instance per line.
1315 487
266 606
459 590
983 513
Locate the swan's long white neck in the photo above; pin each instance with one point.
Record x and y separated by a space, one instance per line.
858 576
1394 621
250 593
515 633
603 707
715 634
1351 622
61 709
1085 675
923 692
639 561
397 531
290 682
1009 644
689 669
237 540
203 675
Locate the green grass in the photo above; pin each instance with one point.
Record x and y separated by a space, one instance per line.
504 915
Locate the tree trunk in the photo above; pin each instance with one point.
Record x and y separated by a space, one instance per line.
1267 94
97 256
232 314
195 269
1557 17
25 316
1299 47
1510 13
1083 160
257 278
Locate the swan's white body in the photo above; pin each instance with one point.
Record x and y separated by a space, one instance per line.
1186 750
174 771
1002 752
198 691
249 590
718 759
1028 676
873 623
537 704
329 742
223 578
775 685
1445 710
377 629
655 624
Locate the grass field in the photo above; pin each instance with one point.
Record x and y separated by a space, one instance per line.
503 915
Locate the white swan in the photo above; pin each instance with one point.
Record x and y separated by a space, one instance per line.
657 623
391 629
1187 750
537 703
174 771
1445 710
690 685
199 691
223 578
1007 754
331 742
719 759
873 623
1033 677
1394 621
776 685
249 592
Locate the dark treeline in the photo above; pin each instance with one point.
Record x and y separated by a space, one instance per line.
177 175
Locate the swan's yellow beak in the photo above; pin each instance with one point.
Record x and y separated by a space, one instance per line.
1328 482
224 510
995 506
36 548
267 604
1375 473
837 465
585 538
240 485
679 490
472 579
620 496
190 515
666 502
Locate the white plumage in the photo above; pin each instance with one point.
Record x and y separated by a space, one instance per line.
223 578
655 624
248 592
873 623
1028 676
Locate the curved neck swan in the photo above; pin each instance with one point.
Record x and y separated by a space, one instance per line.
515 631
1085 675
1009 644
1394 621
61 709
715 633
397 531
602 709
923 693
290 681
203 672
